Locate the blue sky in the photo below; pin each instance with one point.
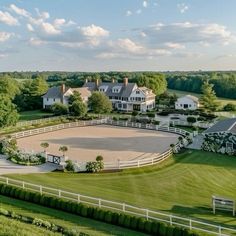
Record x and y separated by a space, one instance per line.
127 35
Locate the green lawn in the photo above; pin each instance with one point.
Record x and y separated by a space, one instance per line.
9 227
81 224
179 93
33 115
183 186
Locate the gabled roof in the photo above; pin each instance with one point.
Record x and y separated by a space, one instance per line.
84 91
54 92
193 98
125 91
228 125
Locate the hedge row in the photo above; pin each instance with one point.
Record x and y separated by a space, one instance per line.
41 223
119 219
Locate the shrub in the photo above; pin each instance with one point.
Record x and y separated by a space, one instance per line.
69 166
148 227
162 229
84 211
99 158
108 217
191 119
141 224
229 107
121 220
133 222
155 227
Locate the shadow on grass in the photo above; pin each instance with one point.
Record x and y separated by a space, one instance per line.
204 213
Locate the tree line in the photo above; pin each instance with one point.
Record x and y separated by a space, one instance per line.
224 83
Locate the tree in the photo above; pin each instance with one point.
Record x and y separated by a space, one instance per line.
9 87
229 107
154 81
76 96
63 149
44 146
100 103
8 113
78 108
191 119
209 99
60 109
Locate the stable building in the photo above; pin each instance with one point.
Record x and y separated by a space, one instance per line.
187 102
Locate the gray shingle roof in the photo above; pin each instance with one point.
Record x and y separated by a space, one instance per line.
54 92
124 92
228 125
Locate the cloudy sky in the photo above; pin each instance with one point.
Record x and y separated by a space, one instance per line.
104 35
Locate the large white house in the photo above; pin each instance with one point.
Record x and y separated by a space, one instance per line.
187 102
125 96
61 94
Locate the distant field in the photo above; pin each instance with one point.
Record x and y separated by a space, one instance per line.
183 185
33 115
61 218
179 93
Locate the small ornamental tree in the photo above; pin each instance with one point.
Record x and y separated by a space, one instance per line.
44 146
63 149
191 119
78 108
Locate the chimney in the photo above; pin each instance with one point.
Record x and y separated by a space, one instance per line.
113 80
86 81
63 89
125 81
96 83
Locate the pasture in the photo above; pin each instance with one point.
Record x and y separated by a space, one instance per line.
182 185
113 143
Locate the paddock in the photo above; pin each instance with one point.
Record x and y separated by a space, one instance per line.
113 143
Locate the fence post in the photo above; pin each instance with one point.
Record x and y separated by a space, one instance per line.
23 184
41 189
78 198
147 215
99 203
59 193
170 219
123 207
7 180
190 224
220 231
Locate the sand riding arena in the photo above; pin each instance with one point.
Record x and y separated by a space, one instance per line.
113 143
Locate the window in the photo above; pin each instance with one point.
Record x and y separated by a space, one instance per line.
47 99
137 92
54 99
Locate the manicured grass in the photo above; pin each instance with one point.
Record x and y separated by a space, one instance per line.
67 220
223 101
11 227
33 115
183 185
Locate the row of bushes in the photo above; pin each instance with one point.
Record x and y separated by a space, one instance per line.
41 223
120 219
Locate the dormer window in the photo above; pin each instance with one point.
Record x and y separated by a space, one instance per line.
116 89
137 92
103 88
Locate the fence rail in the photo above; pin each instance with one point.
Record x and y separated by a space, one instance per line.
156 158
123 207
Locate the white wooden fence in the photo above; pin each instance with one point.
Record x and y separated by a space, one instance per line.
38 121
171 219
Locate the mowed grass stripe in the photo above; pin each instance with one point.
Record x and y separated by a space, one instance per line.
183 185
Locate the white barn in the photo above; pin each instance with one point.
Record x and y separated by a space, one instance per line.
187 102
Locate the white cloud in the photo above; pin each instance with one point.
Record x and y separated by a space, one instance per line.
129 13
175 45
8 19
128 45
30 27
183 33
4 36
49 29
94 31
145 4
19 11
182 7
44 15
36 42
